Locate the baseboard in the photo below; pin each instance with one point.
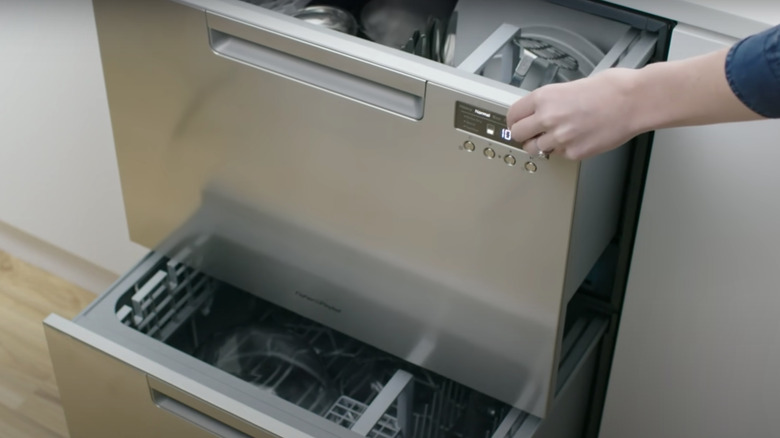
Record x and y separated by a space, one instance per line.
54 260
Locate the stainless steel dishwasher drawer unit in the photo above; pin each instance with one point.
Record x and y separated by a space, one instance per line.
346 239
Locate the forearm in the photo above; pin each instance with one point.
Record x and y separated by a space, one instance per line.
693 91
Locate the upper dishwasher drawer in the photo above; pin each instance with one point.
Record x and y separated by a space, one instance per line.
400 45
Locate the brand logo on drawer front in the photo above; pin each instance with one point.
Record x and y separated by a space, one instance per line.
318 302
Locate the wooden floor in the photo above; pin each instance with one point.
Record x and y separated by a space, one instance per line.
29 402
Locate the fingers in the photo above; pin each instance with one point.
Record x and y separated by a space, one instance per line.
522 108
545 143
534 148
526 129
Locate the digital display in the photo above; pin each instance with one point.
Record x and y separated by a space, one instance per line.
483 123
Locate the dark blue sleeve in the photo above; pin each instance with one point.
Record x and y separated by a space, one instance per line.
753 72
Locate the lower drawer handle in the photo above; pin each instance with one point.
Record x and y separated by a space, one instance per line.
196 417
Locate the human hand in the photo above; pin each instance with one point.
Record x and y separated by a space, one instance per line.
577 119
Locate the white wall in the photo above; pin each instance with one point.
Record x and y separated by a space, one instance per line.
698 352
58 175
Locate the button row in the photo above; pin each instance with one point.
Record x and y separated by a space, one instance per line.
509 159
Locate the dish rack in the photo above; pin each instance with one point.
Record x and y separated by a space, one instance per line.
347 411
185 309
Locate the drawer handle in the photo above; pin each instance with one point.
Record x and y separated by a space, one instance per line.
172 400
196 417
306 63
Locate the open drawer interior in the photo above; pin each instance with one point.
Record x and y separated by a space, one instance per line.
523 43
317 369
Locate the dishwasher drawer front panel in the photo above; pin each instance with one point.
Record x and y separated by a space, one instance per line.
105 393
182 119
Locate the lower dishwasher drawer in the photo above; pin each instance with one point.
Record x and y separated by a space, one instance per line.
169 351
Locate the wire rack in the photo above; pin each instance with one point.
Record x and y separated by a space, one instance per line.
161 303
439 416
346 412
165 300
288 373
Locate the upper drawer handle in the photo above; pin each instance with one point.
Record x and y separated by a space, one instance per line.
328 70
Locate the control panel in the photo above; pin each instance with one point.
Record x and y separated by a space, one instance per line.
484 123
489 137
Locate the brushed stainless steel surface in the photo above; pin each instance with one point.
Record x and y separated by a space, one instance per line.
104 393
312 53
368 221
192 410
360 88
570 413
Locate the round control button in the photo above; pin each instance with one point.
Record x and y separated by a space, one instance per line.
510 160
530 167
490 153
469 146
